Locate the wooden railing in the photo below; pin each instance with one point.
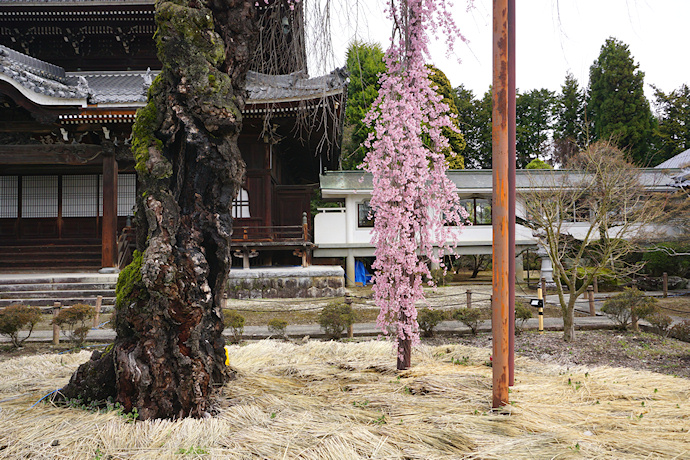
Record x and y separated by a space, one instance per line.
126 244
274 233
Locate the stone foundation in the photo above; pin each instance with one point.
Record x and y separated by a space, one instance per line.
286 282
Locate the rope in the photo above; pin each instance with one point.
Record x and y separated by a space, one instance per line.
51 393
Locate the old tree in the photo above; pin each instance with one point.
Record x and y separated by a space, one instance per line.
168 355
589 219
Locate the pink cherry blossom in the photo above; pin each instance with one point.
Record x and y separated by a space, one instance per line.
412 196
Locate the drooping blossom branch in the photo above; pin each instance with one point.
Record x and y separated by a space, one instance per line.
412 196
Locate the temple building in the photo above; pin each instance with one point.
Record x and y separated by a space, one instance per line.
73 74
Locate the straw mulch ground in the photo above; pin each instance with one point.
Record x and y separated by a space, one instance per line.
328 400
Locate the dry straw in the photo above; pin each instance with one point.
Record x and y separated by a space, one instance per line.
328 400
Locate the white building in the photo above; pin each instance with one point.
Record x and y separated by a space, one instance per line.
345 232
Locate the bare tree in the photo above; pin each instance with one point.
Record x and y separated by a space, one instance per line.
589 218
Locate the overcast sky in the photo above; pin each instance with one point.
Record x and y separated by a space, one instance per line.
553 37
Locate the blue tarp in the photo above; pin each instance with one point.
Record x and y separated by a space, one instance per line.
361 273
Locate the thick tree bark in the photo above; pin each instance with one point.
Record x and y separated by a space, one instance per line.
169 352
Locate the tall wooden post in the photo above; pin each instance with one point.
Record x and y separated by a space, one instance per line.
109 231
499 210
56 328
511 190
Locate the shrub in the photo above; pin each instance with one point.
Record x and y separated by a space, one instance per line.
16 318
235 322
522 314
277 327
681 331
74 319
606 278
335 318
621 306
428 319
469 317
658 260
661 323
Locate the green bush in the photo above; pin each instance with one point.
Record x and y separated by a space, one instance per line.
74 319
606 279
658 261
428 319
335 318
16 318
235 322
681 331
660 322
621 306
470 317
277 327
522 314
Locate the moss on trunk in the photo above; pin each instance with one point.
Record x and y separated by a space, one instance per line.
168 355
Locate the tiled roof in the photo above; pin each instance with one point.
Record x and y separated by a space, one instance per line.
682 160
296 86
129 88
39 76
116 87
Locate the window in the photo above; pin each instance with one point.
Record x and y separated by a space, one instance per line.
126 194
240 205
479 210
9 197
39 196
80 196
365 215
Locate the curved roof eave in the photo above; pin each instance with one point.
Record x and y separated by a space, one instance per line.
44 99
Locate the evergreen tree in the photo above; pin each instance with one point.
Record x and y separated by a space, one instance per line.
617 105
456 140
533 121
673 112
570 131
365 64
474 121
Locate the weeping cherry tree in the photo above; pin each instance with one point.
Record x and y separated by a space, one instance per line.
412 198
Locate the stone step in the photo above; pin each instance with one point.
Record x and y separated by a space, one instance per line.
56 294
107 304
9 288
43 290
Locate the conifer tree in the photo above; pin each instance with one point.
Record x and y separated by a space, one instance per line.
617 105
673 112
570 134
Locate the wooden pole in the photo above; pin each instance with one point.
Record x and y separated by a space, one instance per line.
511 191
97 316
590 294
469 298
665 278
56 328
540 296
500 207
109 230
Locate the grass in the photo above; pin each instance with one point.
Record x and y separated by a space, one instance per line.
327 400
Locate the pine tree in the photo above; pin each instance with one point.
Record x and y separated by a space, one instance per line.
474 122
673 112
454 154
616 102
571 132
533 122
365 64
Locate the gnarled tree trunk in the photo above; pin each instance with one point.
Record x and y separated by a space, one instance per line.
168 355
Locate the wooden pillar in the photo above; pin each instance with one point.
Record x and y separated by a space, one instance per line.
499 210
590 297
56 328
109 233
